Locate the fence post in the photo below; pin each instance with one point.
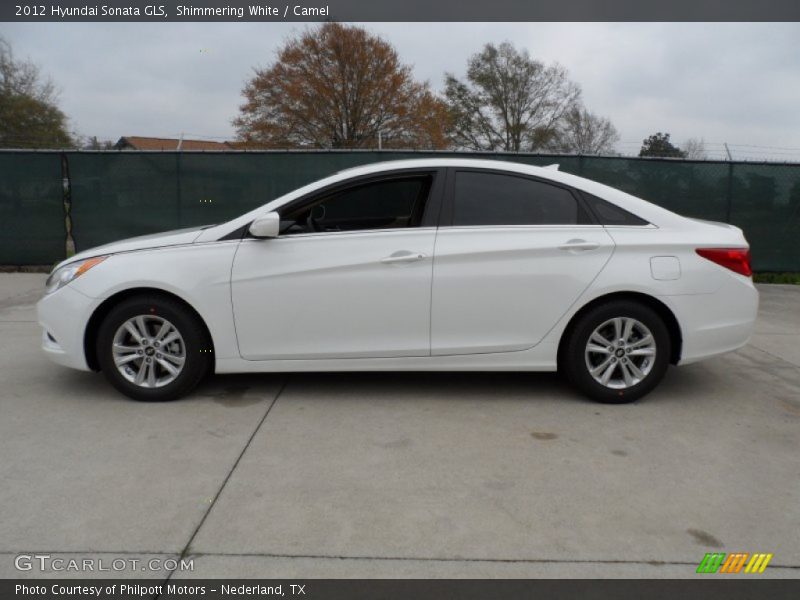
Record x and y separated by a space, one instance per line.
66 198
178 187
729 193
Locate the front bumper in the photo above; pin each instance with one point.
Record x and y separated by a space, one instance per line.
63 316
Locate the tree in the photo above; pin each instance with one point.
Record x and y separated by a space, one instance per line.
695 149
582 132
509 101
29 117
92 143
659 145
338 86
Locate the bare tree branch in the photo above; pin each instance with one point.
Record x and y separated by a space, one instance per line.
509 101
582 132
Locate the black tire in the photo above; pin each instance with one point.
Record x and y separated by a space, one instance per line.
198 348
573 357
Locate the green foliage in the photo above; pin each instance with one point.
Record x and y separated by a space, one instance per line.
29 117
791 278
658 145
26 122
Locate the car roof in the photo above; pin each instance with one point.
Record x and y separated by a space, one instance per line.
413 163
638 206
646 210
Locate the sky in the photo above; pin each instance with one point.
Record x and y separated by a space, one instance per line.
723 82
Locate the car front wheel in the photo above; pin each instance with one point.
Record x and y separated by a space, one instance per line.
617 352
153 348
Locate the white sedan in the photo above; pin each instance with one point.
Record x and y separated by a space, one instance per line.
418 265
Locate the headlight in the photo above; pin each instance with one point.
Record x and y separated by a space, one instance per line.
63 275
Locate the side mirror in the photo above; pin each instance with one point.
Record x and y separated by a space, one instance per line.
266 226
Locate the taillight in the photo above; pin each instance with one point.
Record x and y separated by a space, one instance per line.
735 259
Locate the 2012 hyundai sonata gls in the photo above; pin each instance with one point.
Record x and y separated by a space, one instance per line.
435 264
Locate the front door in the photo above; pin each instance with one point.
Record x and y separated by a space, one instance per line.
350 277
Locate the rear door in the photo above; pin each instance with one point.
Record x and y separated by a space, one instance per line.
512 255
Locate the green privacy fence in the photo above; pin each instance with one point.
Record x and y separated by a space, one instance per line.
50 200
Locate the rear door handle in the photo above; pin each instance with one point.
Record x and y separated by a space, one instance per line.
403 256
579 245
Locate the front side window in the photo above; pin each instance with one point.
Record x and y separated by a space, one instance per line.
496 199
384 204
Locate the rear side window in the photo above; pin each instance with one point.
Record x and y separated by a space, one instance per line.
496 199
611 214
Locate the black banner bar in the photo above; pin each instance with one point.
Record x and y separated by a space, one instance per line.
405 10
705 587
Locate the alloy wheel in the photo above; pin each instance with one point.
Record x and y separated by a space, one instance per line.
149 351
620 353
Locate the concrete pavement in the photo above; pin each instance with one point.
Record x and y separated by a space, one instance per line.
403 475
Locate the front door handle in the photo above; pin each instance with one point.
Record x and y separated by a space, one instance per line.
403 256
579 245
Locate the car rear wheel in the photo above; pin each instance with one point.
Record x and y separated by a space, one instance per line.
617 352
152 348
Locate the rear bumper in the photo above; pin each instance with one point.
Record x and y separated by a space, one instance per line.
717 323
63 316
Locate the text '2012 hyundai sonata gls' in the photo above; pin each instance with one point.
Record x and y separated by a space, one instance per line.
418 265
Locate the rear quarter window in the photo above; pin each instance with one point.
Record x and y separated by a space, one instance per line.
607 213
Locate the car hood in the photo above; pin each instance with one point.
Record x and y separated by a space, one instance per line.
176 237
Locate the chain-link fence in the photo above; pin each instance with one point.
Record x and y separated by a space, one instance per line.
53 201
